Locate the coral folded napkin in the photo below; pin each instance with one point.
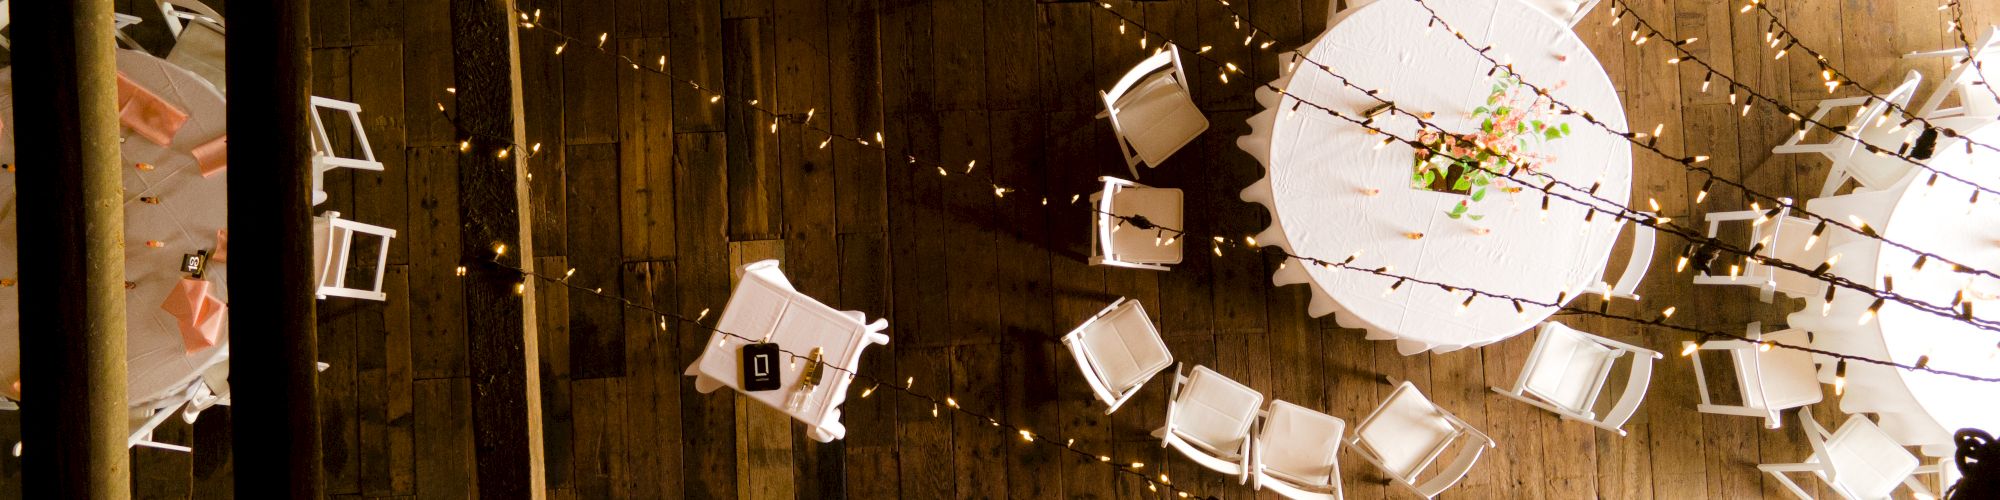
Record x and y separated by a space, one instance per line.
198 313
213 156
146 114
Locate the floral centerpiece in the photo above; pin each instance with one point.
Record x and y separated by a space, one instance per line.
1512 123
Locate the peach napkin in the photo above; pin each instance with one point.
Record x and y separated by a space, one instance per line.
146 114
213 156
198 313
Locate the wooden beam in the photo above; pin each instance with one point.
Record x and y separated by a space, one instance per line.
503 358
274 383
72 227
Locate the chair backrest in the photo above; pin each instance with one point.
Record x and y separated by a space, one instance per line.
1407 433
1861 461
1567 369
333 240
1118 350
1964 75
1297 452
1768 380
1213 410
179 14
1167 56
323 144
1143 248
1643 240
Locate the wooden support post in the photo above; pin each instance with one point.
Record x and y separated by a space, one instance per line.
499 317
72 252
272 281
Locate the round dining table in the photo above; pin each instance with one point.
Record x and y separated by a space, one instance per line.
171 210
1917 408
1334 191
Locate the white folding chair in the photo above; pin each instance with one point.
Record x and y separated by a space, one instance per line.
1857 462
1768 381
333 239
1635 269
1296 453
1569 12
324 157
1118 350
1887 133
198 39
1782 237
1208 420
1868 111
213 390
1153 111
1408 433
1128 243
1567 370
144 420
1966 79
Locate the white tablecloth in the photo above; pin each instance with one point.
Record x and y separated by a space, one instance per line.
1320 171
191 209
1918 408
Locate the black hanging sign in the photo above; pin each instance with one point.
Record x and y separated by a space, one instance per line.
760 367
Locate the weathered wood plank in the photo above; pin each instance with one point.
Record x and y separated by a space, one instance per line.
855 110
590 79
384 395
696 27
756 207
636 477
708 421
872 457
659 353
542 118
444 431
645 156
763 434
382 196
558 410
427 72
437 320
597 335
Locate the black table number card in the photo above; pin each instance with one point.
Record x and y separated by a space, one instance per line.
760 366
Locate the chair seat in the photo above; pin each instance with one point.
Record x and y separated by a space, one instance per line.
1788 378
1299 445
1567 369
1215 412
1162 206
1405 431
1158 118
1124 348
1868 462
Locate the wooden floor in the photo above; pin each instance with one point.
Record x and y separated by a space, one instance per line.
645 187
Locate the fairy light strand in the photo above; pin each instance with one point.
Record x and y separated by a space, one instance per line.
1623 212
1220 243
1833 76
1641 24
876 384
1693 163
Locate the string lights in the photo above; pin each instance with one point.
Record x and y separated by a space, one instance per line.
1622 212
1693 163
1163 235
1621 10
1834 77
938 405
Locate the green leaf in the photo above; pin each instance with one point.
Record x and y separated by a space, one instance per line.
1479 194
1552 134
1452 215
1477 217
1462 184
1565 129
